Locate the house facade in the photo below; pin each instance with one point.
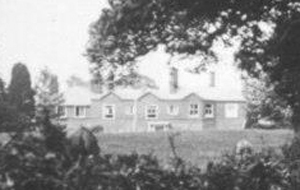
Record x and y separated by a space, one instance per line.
175 106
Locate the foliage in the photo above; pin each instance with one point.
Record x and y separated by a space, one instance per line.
30 162
10 118
20 93
266 30
47 93
264 105
2 91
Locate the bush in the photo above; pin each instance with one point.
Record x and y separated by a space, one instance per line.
30 161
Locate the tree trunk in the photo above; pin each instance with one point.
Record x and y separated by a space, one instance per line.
295 120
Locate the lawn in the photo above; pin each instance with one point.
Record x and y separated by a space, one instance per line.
195 147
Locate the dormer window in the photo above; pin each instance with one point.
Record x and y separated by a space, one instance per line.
108 112
151 112
80 111
194 110
173 110
130 110
208 111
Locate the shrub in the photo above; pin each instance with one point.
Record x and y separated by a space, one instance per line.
30 161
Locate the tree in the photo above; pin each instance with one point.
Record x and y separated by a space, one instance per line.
264 104
48 97
2 91
266 29
20 93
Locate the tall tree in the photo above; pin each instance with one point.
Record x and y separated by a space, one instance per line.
264 104
2 91
48 96
266 29
20 93
9 117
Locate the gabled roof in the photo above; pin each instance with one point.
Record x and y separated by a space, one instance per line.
78 95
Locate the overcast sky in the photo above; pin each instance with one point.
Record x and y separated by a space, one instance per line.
50 33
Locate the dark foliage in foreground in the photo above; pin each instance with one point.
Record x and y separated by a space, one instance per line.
31 162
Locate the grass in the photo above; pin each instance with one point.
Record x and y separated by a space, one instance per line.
195 147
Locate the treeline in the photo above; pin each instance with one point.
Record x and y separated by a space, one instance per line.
20 101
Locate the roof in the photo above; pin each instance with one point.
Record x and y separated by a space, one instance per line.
228 86
78 95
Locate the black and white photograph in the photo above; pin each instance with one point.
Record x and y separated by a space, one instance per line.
150 95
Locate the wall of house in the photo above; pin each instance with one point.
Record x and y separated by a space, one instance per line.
124 122
223 122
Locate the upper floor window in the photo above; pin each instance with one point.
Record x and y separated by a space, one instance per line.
194 110
108 112
173 110
208 111
231 110
80 111
130 110
151 112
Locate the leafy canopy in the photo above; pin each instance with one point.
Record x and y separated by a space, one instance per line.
267 31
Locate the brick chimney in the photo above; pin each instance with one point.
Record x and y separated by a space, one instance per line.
173 80
96 84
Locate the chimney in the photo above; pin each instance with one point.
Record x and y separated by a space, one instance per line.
212 79
96 86
173 80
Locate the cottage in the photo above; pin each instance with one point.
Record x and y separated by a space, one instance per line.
184 101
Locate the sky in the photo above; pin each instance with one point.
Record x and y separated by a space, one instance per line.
51 33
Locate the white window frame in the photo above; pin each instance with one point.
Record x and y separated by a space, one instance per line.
130 110
192 110
152 126
104 113
65 112
231 110
175 109
147 113
209 110
83 113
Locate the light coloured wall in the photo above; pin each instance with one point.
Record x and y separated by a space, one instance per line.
124 122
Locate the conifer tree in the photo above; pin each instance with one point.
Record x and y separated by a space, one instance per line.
20 93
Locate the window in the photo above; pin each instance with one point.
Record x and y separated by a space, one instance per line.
194 110
80 111
108 112
62 111
159 126
151 112
173 110
231 110
130 110
208 111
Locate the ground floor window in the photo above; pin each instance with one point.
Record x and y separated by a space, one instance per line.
108 112
208 111
151 112
80 111
194 110
159 126
62 111
231 110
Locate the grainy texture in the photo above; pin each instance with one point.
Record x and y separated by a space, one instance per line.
195 147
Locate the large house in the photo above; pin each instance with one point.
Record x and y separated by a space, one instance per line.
181 101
